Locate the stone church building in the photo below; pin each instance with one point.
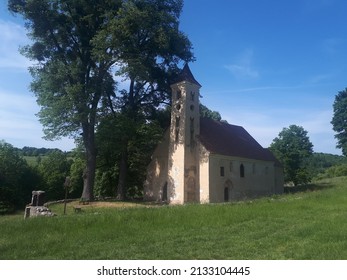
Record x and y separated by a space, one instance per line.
205 161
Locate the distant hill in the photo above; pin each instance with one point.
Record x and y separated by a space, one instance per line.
34 152
320 162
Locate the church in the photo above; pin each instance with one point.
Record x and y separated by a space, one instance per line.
201 160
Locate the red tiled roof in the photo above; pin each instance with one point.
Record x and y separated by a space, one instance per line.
231 140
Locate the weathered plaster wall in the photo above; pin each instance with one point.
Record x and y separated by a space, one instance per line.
259 178
157 171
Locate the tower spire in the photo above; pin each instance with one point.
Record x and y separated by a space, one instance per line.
186 75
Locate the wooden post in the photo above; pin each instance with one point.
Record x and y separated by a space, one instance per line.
66 186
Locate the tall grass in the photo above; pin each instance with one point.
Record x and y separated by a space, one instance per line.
304 225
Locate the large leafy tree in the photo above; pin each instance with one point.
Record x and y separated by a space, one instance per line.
339 120
292 148
68 81
149 48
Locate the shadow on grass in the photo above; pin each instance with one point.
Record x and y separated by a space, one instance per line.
308 188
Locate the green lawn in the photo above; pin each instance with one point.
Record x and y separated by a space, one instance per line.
305 225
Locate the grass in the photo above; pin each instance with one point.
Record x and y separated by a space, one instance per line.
308 224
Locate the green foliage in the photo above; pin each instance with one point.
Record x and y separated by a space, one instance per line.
76 175
140 137
339 120
318 163
334 171
54 168
292 148
17 179
32 151
207 113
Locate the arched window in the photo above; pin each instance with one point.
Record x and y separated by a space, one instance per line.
242 171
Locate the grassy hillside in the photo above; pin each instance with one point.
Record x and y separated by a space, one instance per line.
304 225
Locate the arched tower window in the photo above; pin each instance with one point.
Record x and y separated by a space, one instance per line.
242 171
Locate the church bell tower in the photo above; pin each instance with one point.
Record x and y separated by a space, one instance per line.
183 168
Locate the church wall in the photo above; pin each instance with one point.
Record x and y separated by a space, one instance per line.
279 180
227 183
204 174
157 172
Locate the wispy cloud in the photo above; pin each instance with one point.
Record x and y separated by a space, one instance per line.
264 123
243 68
12 37
19 125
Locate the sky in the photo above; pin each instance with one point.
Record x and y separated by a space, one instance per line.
263 65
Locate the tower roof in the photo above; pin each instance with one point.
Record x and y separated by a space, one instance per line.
186 75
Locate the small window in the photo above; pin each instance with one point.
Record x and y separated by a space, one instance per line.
231 167
191 124
222 171
192 95
177 133
242 171
178 94
177 121
254 170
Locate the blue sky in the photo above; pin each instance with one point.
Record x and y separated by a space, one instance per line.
263 65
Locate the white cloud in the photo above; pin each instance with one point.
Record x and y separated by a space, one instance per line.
12 37
243 68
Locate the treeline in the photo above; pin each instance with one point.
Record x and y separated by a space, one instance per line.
32 151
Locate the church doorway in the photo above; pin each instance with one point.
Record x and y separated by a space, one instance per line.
228 187
226 194
191 193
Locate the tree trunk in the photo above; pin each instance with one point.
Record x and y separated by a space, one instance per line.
89 172
123 172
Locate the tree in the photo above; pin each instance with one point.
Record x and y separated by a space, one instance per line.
339 120
292 147
68 80
207 113
147 44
